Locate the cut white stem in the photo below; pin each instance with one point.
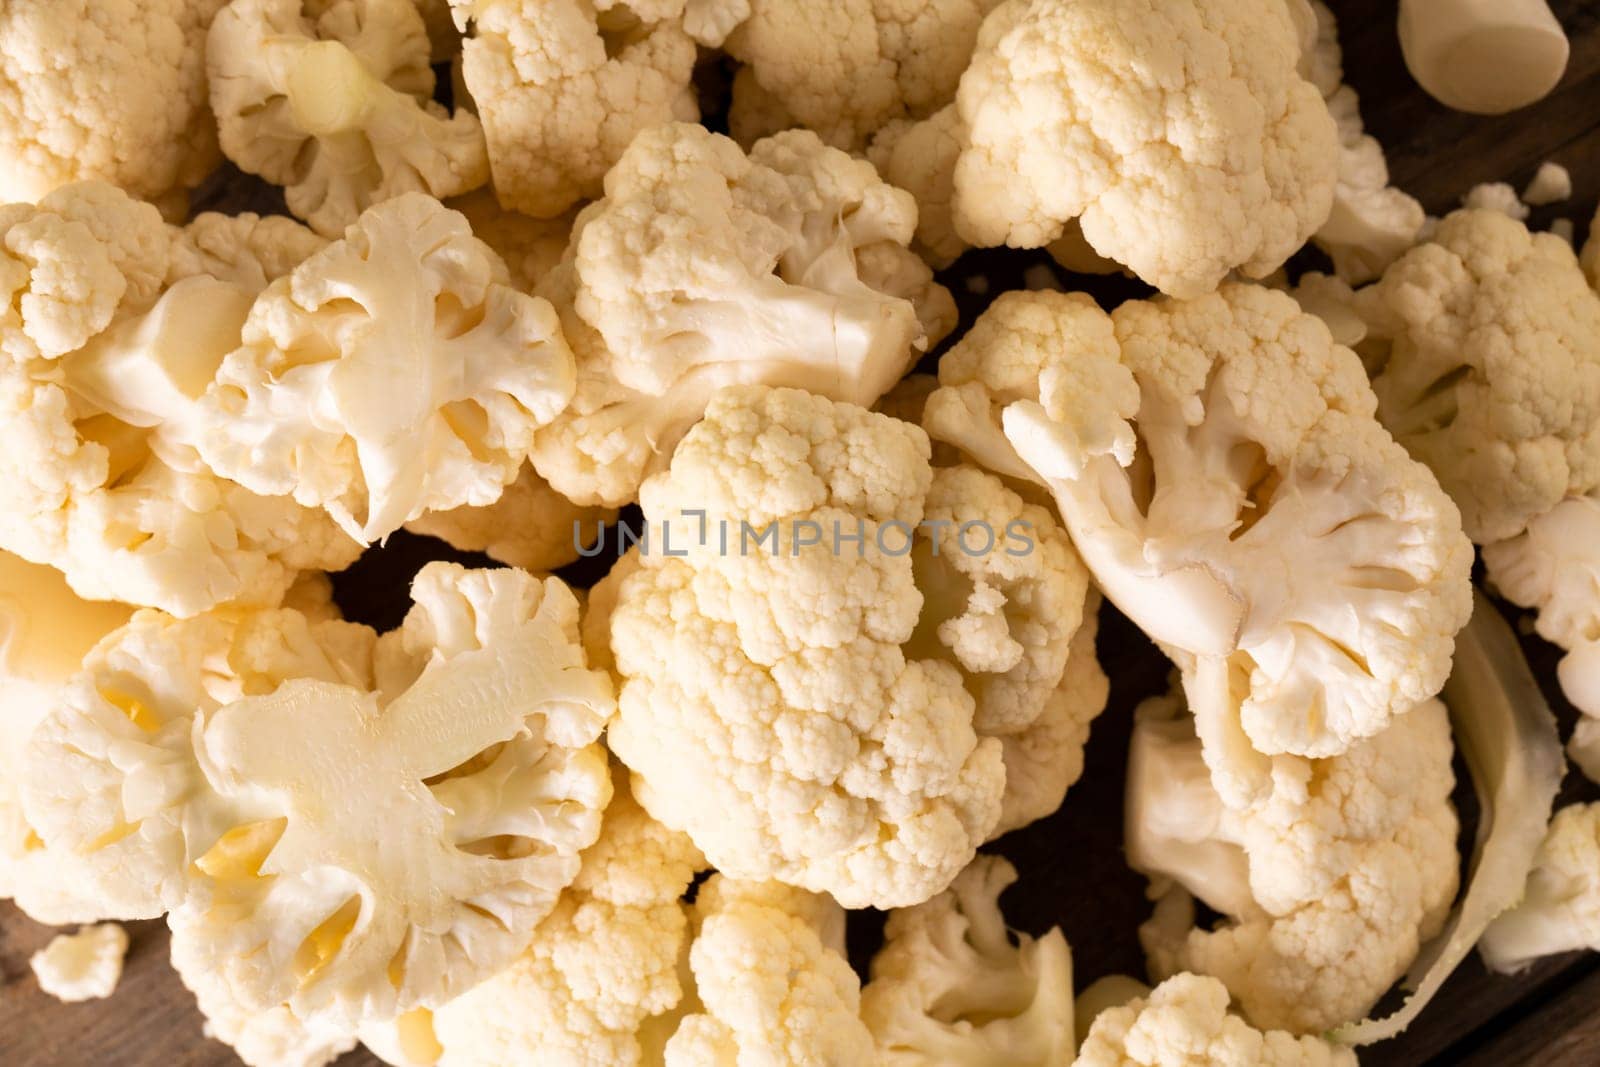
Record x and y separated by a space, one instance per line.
1483 56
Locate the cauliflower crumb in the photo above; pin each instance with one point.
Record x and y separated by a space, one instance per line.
82 966
1551 185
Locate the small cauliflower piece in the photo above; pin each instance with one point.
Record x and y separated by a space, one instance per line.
1496 196
393 373
1328 885
531 247
1185 1022
773 987
703 268
113 92
116 323
1560 907
338 110
1487 368
1551 184
845 70
564 86
82 966
250 251
953 986
531 526
1553 567
1220 523
1179 135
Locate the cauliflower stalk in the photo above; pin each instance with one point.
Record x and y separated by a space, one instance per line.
335 103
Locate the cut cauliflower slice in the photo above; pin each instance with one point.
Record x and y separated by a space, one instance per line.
1328 885
953 986
1218 466
82 966
1553 567
393 373
1185 1022
601 965
101 372
846 70
1179 135
565 85
45 633
531 526
704 267
360 897
1487 368
110 92
1560 907
772 983
338 111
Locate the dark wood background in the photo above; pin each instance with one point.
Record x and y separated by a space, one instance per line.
1073 873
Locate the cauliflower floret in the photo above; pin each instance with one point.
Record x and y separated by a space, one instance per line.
950 987
1488 369
702 268
1185 1022
920 157
531 247
82 966
1553 566
847 69
338 111
100 376
115 92
45 633
768 706
1328 884
772 984
1178 134
1218 466
393 373
605 961
531 526
564 86
1560 907
1499 197
250 251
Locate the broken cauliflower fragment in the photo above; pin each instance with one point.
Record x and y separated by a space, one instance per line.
395 372
82 966
338 110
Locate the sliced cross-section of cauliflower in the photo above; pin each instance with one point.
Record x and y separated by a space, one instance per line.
772 982
565 85
531 526
1328 884
114 92
1487 367
1179 135
338 110
389 847
703 268
952 985
393 373
1185 1022
1219 467
115 325
847 69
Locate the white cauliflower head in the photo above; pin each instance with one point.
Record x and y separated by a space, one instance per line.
1178 134
771 984
116 323
1184 1022
953 986
338 110
1488 368
1219 467
564 86
847 69
113 92
1560 906
1328 884
769 706
703 268
393 373
531 526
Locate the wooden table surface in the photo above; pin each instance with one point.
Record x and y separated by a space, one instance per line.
1073 873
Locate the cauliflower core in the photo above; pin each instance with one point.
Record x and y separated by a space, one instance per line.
1218 465
339 111
1177 133
393 373
704 268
